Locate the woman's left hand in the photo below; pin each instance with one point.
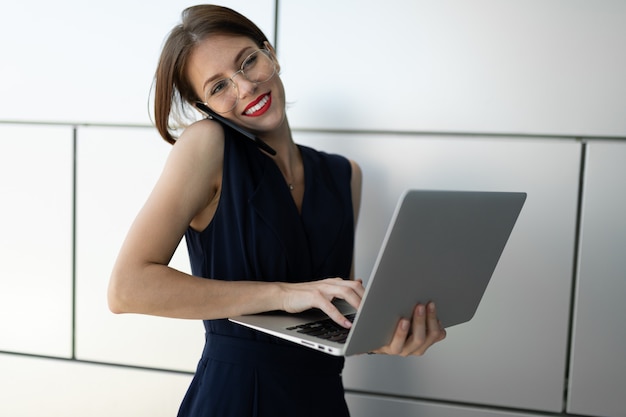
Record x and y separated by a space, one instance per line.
414 337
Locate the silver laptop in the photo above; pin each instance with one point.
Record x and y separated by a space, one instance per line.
440 246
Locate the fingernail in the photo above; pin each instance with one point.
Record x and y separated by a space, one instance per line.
404 325
431 307
420 310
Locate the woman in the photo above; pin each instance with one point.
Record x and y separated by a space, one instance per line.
264 232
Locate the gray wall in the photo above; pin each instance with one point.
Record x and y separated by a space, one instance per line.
517 95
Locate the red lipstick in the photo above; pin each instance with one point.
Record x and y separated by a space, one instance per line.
258 106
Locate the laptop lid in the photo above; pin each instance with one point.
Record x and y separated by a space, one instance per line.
440 246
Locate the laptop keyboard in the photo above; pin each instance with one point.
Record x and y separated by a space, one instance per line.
325 329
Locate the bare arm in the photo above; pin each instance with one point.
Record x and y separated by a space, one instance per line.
186 193
355 185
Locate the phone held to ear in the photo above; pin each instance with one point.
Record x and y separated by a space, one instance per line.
212 115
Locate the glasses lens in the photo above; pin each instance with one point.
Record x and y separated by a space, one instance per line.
222 96
258 67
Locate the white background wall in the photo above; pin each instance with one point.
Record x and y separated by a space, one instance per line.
453 94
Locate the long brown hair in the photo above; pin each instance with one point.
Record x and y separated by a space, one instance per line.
173 92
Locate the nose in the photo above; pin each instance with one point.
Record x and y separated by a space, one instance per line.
245 87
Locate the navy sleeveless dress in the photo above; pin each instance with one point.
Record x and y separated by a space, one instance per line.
257 234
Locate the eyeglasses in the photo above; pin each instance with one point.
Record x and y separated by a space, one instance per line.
258 67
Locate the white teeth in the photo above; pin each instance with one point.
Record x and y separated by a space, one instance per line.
258 106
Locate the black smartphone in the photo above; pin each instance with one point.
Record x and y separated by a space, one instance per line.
212 115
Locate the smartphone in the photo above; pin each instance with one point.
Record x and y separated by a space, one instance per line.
212 115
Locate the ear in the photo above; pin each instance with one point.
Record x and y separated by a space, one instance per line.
272 51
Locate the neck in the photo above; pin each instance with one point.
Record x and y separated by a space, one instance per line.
281 141
287 156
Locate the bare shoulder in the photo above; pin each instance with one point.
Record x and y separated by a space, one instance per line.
357 178
356 182
192 176
198 153
203 135
356 171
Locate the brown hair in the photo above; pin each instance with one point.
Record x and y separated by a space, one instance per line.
173 92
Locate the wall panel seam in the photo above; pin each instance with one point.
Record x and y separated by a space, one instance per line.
75 360
575 269
589 137
276 25
74 197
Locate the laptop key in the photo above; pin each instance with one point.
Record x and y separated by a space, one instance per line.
325 329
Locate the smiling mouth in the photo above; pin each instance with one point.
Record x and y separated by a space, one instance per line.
259 106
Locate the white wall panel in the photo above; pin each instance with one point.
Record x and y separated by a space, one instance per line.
74 60
52 388
521 66
598 366
36 239
117 169
512 353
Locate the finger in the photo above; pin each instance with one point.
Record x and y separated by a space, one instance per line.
360 288
409 334
417 339
419 321
356 285
350 291
433 332
442 333
399 337
434 328
334 313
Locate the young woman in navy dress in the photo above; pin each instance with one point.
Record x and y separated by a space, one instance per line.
264 232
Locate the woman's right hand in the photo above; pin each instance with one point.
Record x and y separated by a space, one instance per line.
298 297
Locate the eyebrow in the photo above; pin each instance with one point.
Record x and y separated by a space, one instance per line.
236 61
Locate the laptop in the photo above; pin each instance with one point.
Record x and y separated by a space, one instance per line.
440 246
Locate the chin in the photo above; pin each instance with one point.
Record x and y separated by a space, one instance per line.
267 123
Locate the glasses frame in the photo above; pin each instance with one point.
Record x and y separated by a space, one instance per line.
241 71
